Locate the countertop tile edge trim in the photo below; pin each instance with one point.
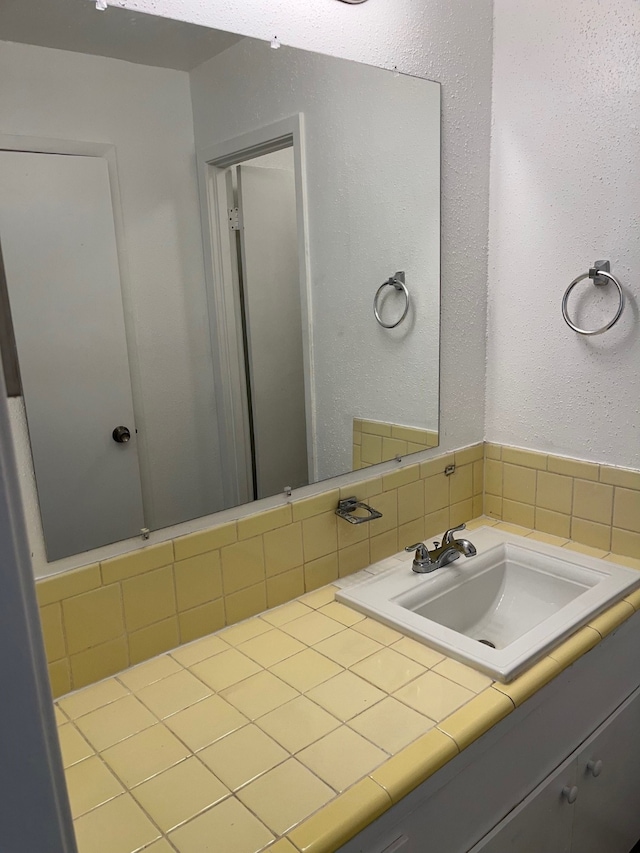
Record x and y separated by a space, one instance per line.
342 818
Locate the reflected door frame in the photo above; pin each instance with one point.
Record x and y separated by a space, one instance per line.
222 296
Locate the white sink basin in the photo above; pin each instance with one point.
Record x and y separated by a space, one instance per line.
501 610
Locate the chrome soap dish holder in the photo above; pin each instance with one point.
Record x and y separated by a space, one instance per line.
348 506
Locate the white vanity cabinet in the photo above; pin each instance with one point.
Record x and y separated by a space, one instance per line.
580 734
543 822
590 804
607 810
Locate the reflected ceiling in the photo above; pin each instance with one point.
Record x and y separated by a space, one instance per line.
144 39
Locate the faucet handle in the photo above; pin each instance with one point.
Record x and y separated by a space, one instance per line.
448 536
422 552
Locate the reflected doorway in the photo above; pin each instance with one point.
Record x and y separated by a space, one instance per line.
265 268
260 317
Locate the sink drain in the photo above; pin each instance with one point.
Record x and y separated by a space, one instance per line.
487 643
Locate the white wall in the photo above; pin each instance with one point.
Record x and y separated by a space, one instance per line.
438 40
565 188
373 203
146 114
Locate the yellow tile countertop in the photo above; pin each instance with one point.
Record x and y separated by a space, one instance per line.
290 732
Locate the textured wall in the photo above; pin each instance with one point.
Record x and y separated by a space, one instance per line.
439 40
565 185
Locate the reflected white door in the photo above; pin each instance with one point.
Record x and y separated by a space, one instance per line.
58 242
271 284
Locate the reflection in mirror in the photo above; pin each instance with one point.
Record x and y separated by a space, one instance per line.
269 285
193 229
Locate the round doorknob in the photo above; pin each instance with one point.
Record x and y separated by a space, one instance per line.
595 767
570 793
121 434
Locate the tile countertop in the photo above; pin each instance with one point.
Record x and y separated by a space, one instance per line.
289 732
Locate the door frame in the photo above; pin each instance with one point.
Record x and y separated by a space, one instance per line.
34 809
223 298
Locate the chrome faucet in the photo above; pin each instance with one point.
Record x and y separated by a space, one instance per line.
443 553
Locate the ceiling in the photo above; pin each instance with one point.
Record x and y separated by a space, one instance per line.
119 33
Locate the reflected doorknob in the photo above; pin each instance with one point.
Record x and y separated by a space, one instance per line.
121 434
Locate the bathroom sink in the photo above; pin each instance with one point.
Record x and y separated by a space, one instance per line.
500 610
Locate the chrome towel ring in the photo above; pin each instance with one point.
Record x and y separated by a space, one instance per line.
396 281
600 275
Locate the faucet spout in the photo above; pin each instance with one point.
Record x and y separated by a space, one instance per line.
466 548
426 561
448 553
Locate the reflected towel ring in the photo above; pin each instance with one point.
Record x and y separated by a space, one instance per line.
396 281
594 273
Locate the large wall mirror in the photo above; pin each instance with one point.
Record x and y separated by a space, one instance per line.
193 228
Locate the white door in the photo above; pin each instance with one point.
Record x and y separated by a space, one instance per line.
58 242
271 283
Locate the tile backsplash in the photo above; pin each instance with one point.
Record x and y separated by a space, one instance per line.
596 505
104 617
377 441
